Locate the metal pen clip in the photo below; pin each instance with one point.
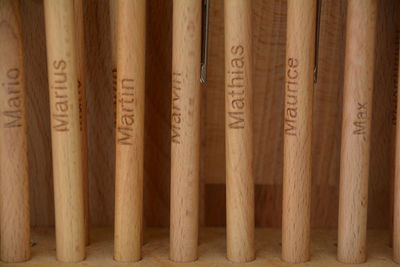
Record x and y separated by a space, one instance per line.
204 41
317 31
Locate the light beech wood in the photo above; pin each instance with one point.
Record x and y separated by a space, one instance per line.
185 130
65 129
239 131
81 66
356 130
299 75
131 34
14 174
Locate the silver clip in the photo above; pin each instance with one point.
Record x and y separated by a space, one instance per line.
204 41
317 31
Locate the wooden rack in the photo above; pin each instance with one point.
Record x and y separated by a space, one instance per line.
269 39
212 249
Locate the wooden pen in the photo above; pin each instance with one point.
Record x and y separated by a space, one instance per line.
14 177
131 35
239 131
356 130
299 86
66 138
81 67
185 129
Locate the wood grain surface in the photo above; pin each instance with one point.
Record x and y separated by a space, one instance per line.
297 155
269 36
14 175
66 136
239 131
131 33
356 130
185 129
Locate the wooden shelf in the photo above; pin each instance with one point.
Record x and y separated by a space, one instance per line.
211 250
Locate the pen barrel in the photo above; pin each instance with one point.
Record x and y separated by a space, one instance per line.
81 67
65 130
299 85
14 177
131 35
185 130
239 131
356 130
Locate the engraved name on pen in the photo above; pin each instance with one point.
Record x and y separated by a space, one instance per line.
126 118
291 97
176 116
13 106
236 85
360 122
59 89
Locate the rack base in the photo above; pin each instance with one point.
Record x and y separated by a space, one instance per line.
211 249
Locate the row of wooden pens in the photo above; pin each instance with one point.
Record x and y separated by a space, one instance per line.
66 66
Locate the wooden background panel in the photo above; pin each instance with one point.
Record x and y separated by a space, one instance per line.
157 113
381 135
38 110
328 94
269 34
101 148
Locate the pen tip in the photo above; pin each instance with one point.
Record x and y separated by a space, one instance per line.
203 73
